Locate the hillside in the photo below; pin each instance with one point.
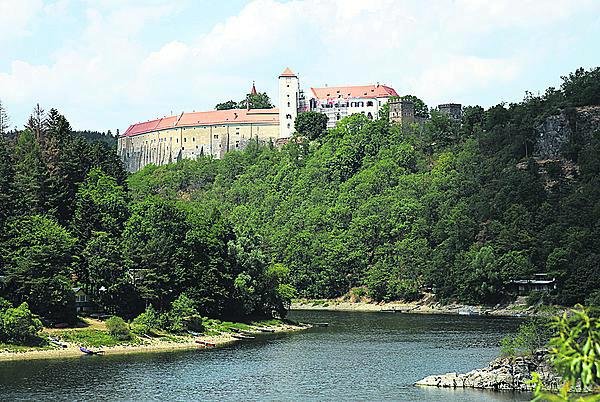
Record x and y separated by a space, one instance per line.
462 208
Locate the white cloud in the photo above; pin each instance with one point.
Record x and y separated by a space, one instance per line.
434 51
16 17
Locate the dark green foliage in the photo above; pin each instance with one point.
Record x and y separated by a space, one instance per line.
18 325
227 105
118 328
311 125
532 335
38 256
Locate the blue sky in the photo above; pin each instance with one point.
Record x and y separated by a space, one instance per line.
107 64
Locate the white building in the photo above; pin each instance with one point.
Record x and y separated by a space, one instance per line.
289 97
338 102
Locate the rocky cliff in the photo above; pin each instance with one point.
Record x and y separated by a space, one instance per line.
555 132
507 373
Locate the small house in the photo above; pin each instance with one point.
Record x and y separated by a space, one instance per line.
538 283
83 302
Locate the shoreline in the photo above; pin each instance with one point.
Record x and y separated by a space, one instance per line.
154 345
426 306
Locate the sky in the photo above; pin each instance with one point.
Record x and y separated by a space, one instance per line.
106 64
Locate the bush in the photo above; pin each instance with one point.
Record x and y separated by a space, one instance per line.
531 336
118 328
184 315
19 325
535 298
146 322
593 300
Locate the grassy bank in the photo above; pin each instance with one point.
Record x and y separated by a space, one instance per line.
94 335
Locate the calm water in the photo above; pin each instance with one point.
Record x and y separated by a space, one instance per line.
360 356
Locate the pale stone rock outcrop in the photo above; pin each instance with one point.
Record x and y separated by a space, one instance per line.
502 374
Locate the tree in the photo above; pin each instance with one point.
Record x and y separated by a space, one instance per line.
230 104
154 242
31 177
4 120
574 354
19 325
100 205
37 123
118 328
421 109
38 258
7 177
256 101
311 125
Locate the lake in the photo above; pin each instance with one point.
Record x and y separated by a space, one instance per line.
360 356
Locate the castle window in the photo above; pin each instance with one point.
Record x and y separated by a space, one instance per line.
177 140
194 139
370 103
288 116
289 104
185 140
216 136
288 126
337 117
370 116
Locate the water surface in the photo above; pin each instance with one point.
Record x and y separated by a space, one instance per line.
360 356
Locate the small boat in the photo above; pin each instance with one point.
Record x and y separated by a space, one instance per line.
388 310
90 352
241 336
266 330
206 344
57 342
193 333
321 324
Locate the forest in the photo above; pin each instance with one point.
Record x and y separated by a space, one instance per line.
457 208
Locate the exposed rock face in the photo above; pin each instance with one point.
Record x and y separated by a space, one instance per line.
501 374
556 131
553 134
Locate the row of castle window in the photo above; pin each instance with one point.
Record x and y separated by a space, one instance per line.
350 104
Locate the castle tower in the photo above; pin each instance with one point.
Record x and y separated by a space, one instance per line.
402 112
289 88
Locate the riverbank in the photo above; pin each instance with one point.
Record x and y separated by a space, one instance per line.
144 345
428 305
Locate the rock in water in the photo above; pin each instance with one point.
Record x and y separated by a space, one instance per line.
505 373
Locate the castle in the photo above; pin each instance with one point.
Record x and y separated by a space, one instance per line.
213 133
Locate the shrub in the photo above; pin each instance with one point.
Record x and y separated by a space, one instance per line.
531 336
146 322
118 328
593 300
535 298
19 325
184 315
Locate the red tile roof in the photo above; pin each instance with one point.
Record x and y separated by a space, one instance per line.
287 73
361 91
212 117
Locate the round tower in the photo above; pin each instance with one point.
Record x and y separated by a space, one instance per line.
289 88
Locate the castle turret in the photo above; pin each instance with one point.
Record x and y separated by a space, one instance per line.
289 88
